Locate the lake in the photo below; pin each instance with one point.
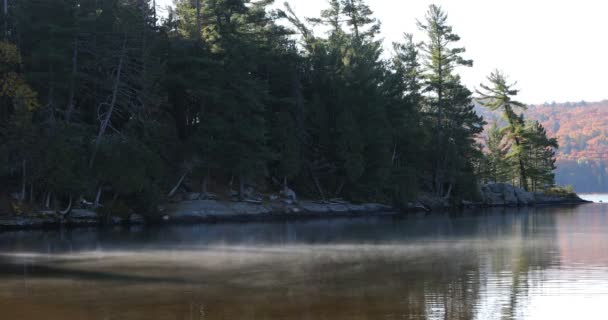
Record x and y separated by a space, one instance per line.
534 263
595 197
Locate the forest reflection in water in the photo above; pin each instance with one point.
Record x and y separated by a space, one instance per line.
545 263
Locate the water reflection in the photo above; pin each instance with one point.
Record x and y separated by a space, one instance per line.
499 264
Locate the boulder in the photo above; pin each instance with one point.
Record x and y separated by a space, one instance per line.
500 194
524 197
289 194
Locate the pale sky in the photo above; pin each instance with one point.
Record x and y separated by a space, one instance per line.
557 50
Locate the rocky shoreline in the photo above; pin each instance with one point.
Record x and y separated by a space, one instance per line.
214 211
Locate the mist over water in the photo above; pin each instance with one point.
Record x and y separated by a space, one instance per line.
544 263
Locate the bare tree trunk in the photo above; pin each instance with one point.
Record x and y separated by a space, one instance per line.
106 121
68 209
154 10
179 183
440 152
449 192
70 108
241 186
47 200
98 196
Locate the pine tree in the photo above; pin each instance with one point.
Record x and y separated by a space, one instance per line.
496 167
498 95
539 156
440 59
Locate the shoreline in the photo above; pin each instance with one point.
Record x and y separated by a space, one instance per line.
213 212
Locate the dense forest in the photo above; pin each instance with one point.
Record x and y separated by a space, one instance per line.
102 100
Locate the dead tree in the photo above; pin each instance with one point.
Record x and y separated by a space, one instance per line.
108 116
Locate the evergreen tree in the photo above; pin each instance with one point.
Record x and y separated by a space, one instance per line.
498 95
539 156
496 167
440 59
103 102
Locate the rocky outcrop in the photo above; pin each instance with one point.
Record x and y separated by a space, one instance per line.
196 208
78 217
213 210
503 194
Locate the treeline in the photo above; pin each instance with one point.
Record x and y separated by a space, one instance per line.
103 100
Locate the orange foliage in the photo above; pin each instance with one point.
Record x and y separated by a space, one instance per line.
581 127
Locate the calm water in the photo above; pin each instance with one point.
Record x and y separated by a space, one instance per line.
542 263
595 197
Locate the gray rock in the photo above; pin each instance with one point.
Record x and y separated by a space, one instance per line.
47 213
83 214
201 209
510 198
240 208
524 197
356 208
338 208
289 194
314 207
500 194
192 196
377 207
25 222
432 201
198 209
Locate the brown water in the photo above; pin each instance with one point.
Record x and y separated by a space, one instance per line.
549 263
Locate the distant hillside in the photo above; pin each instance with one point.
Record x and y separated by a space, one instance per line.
582 132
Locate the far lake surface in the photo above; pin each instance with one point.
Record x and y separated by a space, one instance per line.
536 263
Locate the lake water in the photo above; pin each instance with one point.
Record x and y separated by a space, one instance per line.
544 263
595 197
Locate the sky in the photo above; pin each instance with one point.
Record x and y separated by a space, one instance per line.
556 50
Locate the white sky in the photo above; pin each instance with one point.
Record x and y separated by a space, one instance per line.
557 50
